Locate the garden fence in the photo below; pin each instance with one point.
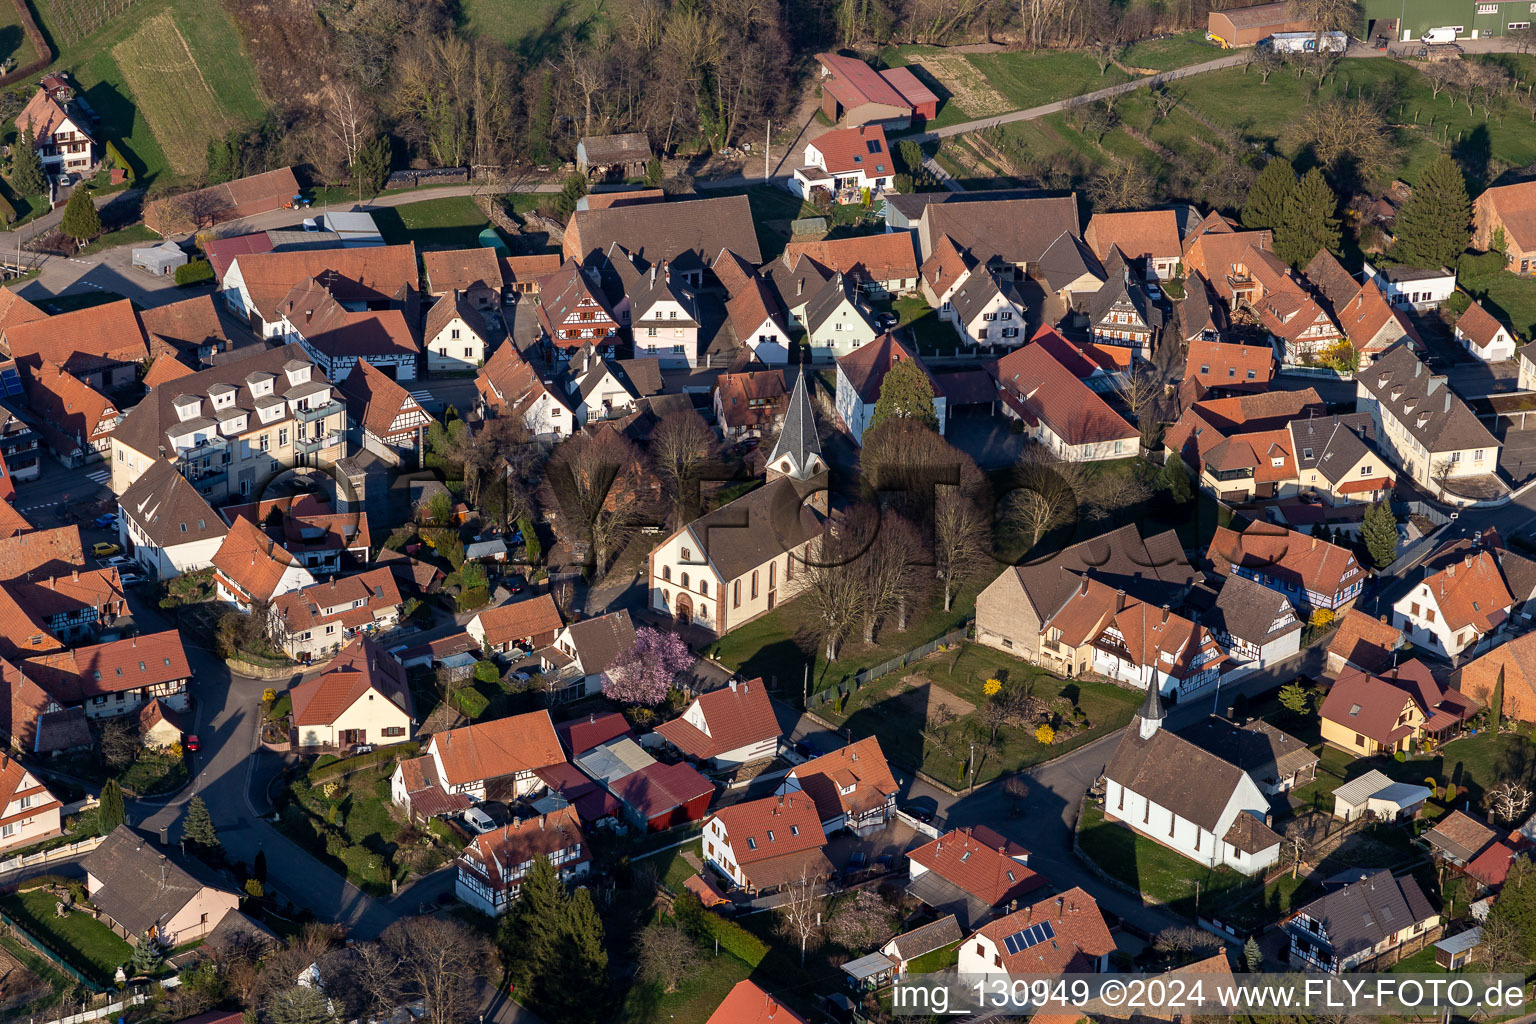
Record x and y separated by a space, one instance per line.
57 853
101 1011
859 679
58 961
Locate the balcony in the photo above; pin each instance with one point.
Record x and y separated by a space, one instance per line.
311 445
320 412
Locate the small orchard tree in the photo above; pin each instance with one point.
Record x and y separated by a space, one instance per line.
1296 698
643 674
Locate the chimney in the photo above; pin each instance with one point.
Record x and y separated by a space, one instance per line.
653 273
800 287
541 822
733 685
1082 590
1060 902
77 574
1165 613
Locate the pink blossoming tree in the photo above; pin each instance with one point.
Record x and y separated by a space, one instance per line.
643 674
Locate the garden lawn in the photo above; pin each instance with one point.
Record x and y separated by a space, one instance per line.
942 959
1422 962
773 211
880 709
1173 52
1509 297
773 647
88 945
154 772
1154 870
449 222
13 41
696 998
934 336
1031 79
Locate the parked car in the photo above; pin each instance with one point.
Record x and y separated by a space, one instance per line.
920 813
192 742
129 579
479 821
886 321
104 549
115 562
106 522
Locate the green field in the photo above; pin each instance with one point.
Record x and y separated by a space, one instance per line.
1508 296
13 41
169 135
1173 52
1032 79
534 27
452 222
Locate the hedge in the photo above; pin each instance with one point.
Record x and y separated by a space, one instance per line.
196 272
474 597
471 702
346 765
706 925
115 159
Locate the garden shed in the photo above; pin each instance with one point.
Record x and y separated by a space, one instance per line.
160 260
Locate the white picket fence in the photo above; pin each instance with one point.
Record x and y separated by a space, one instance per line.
58 853
99 1012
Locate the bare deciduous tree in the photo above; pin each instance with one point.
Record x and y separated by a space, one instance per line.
666 955
119 743
1502 947
1266 61
834 587
1340 130
1139 388
1045 494
349 117
890 572
1185 939
1120 187
1104 52
683 446
440 960
800 914
861 920
593 491
1509 801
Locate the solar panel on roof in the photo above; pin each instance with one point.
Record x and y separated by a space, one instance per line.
874 145
1022 940
10 381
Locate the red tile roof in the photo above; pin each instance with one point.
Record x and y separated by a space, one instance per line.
534 616
736 716
251 561
1034 381
977 865
1081 936
82 339
450 270
488 750
499 857
863 258
361 667
1366 641
306 609
16 310
378 273
54 552
866 366
73 676
375 400
846 150
1491 867
223 251
860 767
582 734
1230 364
773 827
1321 567
16 781
1139 233
1479 325
660 788
1472 592
1368 705
749 1004
854 82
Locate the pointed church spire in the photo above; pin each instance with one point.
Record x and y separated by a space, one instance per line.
1151 714
797 453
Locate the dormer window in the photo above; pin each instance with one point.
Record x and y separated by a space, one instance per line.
297 371
260 384
188 407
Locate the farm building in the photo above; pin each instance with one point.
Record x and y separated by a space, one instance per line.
1247 26
853 93
614 156
260 193
160 260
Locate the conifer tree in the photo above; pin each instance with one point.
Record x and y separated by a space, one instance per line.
583 961
199 825
1309 222
27 167
906 392
1267 198
530 931
1380 530
1176 477
1434 225
81 221
111 813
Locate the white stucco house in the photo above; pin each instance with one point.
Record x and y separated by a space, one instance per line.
1463 609
165 525
1484 336
1413 287
860 375
836 322
455 335
1186 798
361 698
844 161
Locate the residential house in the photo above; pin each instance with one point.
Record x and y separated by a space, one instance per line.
118 677
361 698
1461 609
1122 313
250 569
191 330
660 796
1060 934
1148 238
1008 231
60 127
283 293
582 734
836 322
73 607
520 275
492 867
29 813
1420 288
987 311
103 346
306 527
852 787
1345 929
1104 630
1310 572
1012 609
942 272
1371 324
763 845
797 279
972 873
1230 365
1255 625
879 265
509 385
601 388
1481 334
1506 216
19 459
336 336
1337 459
1103 368
230 428
498 759
847 165
573 310
739 560
1060 411
1426 429
750 404
1364 642
76 420
323 617
685 233
161 728
1300 327
586 649
474 275
730 726
747 1003
141 889
860 375
1184 797
1366 713
1276 760
455 335
383 417
1202 317
757 316
1222 257
613 156
527 624
660 309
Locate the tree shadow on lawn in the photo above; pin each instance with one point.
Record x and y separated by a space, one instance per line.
116 113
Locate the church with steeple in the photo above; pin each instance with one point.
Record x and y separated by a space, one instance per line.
748 556
1186 798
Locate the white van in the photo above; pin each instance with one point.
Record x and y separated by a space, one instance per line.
1440 35
479 821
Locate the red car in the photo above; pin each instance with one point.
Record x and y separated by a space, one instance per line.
192 743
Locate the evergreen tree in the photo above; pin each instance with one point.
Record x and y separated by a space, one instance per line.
147 956
1267 198
1496 704
1176 479
583 961
906 393
371 169
223 157
1321 532
1380 530
81 221
198 827
1516 905
27 167
570 194
1309 221
653 171
530 930
111 813
1435 224
1253 956
541 127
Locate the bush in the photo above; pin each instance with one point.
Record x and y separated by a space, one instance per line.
471 702
7 211
196 272
336 769
447 833
473 597
487 672
1481 264
1458 302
